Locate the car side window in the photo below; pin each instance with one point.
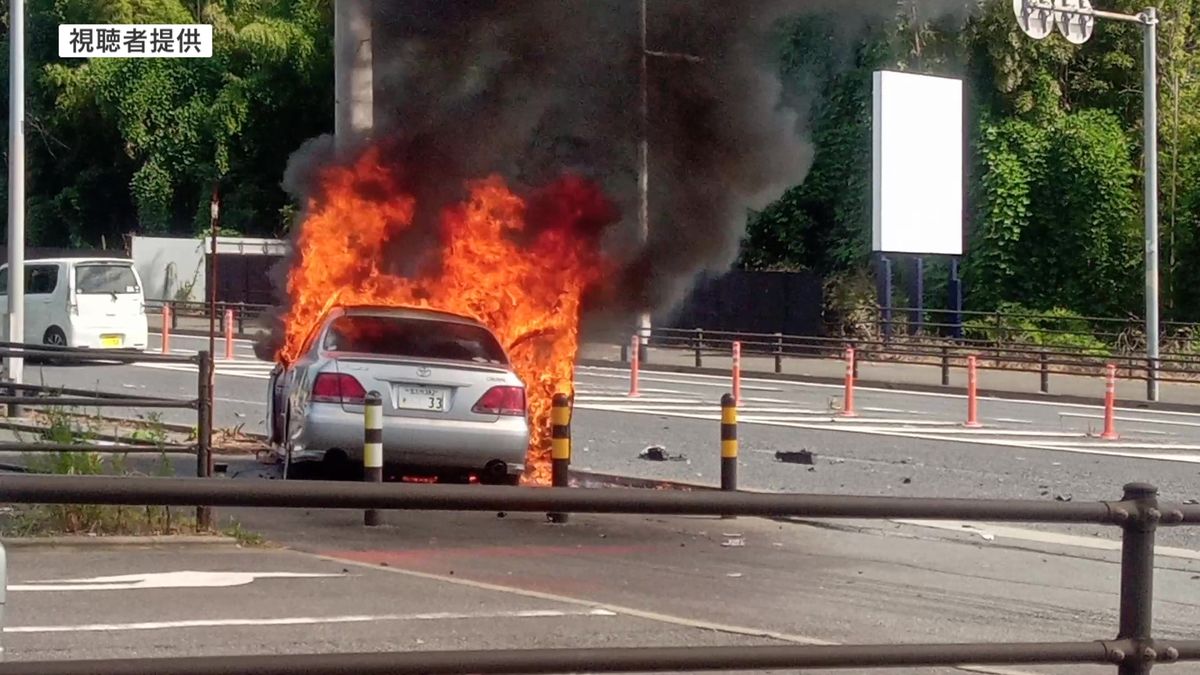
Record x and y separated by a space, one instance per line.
41 279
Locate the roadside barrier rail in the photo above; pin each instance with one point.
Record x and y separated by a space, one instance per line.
20 395
1134 650
931 351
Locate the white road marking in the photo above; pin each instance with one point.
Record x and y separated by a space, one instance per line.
182 579
907 392
730 629
644 377
307 620
924 434
1141 420
1095 543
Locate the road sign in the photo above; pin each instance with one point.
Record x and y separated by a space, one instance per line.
1074 26
1036 18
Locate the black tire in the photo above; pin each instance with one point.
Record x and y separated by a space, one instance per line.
54 337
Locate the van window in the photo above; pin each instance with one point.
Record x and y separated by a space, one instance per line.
41 279
105 279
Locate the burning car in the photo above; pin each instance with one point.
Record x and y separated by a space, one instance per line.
452 404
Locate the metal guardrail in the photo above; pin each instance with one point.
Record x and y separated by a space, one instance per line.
1134 651
20 395
946 354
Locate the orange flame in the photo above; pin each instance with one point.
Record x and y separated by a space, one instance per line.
519 267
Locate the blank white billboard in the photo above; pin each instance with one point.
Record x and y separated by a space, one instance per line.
917 189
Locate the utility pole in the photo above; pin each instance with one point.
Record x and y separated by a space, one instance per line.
1076 20
16 191
353 88
644 326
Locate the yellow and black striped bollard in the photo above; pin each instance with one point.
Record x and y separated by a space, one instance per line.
560 448
729 444
372 449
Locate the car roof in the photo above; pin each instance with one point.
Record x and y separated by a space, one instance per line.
31 261
407 313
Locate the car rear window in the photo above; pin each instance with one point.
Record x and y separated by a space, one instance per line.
413 338
103 278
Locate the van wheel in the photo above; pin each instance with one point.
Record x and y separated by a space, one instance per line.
55 337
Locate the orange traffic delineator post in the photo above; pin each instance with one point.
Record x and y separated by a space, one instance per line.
634 351
972 395
166 329
848 400
737 373
228 334
1110 404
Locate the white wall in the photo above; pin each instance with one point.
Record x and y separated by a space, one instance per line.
168 264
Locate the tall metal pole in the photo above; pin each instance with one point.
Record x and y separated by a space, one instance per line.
16 188
1150 151
644 170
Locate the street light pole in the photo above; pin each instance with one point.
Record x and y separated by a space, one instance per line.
16 189
1075 19
1150 152
644 174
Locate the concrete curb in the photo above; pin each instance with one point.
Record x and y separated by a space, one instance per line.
903 386
119 540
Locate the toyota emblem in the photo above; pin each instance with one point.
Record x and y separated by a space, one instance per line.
424 372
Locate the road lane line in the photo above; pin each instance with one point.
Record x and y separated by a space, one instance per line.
1141 420
907 392
924 434
658 617
306 620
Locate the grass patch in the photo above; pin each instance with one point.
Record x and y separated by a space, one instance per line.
32 520
243 536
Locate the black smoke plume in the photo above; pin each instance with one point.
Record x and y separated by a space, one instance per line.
533 88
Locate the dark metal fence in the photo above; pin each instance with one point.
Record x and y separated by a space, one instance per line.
996 344
944 354
1134 650
21 395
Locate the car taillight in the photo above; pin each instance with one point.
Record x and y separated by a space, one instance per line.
502 401
337 388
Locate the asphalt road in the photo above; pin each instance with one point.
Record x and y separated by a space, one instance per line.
478 581
902 443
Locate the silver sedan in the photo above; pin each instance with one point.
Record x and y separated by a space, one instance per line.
452 405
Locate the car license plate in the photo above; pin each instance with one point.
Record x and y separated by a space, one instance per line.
111 340
429 399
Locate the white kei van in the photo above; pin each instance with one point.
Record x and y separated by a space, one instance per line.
94 303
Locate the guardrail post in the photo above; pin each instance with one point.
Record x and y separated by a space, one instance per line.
972 395
560 448
1137 577
945 366
778 353
204 401
634 364
241 318
729 445
1044 364
1152 379
166 329
372 449
699 346
848 396
3 593
1110 404
228 334
737 372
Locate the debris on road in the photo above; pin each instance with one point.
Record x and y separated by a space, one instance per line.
795 457
657 453
734 575
1062 498
733 540
906 481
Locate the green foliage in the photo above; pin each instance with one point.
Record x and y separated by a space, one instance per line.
1056 329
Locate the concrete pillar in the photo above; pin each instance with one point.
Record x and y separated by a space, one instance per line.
354 117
